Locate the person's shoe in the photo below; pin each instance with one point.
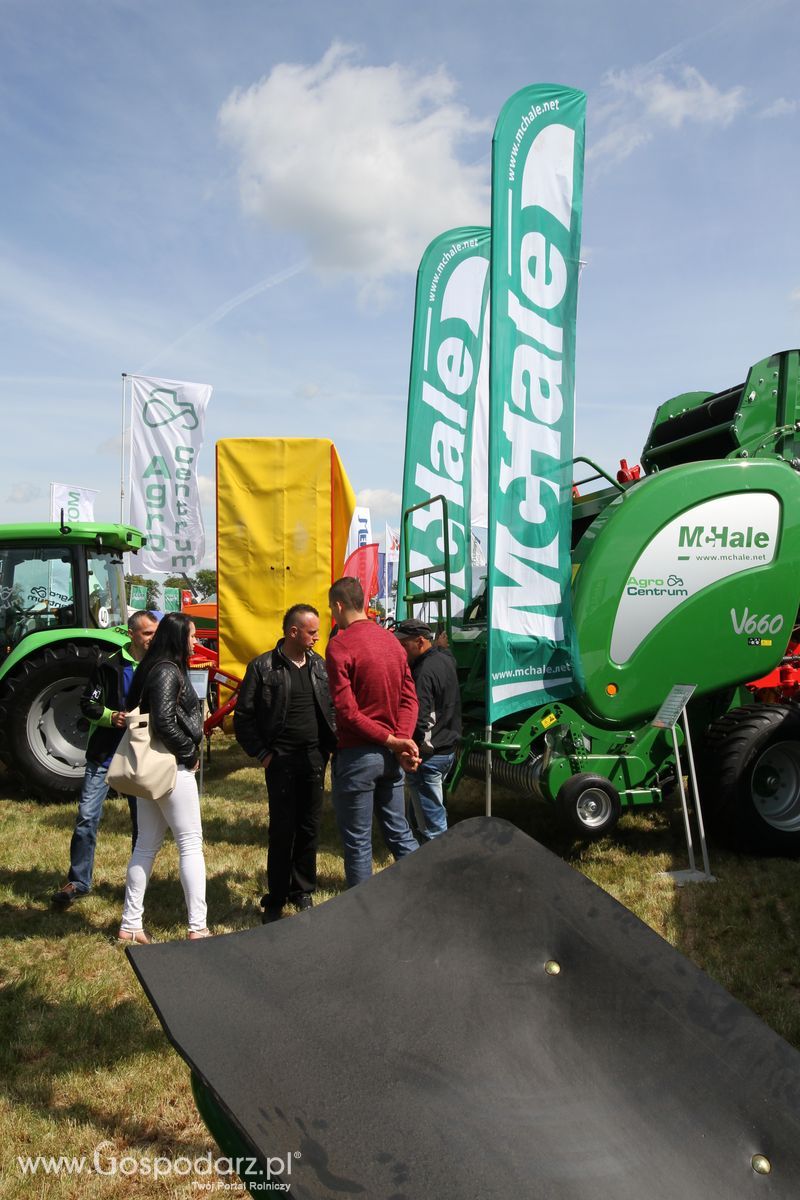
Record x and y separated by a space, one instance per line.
304 902
194 934
270 911
134 937
67 895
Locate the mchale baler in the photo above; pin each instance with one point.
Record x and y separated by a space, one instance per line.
688 574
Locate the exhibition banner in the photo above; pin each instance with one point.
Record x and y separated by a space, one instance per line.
448 337
166 435
537 188
172 599
360 529
76 503
364 565
137 600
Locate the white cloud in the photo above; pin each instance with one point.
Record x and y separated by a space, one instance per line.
307 391
795 295
383 504
111 446
207 489
780 108
637 104
360 162
24 493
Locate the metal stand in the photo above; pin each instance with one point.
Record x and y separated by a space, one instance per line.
672 710
488 772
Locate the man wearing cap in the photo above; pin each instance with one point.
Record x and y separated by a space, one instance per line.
438 727
376 710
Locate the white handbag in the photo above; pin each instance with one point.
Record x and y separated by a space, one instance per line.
142 765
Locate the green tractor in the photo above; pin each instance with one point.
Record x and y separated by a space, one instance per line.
62 598
686 575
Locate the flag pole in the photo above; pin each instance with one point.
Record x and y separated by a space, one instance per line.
122 457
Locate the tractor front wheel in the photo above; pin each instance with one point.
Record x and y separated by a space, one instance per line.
42 732
750 780
590 803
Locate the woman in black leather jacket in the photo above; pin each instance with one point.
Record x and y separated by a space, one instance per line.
161 687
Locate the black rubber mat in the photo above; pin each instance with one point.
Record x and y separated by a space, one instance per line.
481 1022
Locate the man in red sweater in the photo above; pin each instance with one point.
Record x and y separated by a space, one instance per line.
376 711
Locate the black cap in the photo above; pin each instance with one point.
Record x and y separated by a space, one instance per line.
412 629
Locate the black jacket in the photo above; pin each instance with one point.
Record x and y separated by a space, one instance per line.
104 694
439 722
263 702
176 715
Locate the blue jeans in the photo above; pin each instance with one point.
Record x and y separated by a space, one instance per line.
369 779
84 837
426 786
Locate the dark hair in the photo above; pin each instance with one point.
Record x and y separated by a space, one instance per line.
135 619
170 644
349 592
297 610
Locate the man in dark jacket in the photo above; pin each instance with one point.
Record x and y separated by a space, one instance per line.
284 718
438 726
103 704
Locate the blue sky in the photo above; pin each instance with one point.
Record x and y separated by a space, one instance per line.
239 193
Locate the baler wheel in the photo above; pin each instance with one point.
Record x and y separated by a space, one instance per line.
590 803
750 779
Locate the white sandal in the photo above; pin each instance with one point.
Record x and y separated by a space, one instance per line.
134 937
194 934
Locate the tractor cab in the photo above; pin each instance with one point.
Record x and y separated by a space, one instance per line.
50 583
62 599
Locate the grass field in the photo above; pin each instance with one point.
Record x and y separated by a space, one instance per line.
83 1061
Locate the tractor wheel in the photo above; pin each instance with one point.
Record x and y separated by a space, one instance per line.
42 732
750 779
590 803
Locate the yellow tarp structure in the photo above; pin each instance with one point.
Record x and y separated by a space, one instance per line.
284 507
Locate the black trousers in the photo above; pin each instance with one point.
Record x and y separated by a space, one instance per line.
294 789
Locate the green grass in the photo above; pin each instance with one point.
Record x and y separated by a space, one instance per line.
83 1059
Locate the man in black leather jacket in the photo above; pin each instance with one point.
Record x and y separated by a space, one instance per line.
284 718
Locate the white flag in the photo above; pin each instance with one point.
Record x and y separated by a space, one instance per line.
360 530
77 503
477 556
167 419
392 544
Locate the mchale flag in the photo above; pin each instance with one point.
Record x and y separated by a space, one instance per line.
448 339
537 190
77 503
166 430
363 565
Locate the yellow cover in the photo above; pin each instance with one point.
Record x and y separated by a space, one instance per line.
284 507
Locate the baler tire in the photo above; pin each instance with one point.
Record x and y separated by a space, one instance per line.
590 803
750 779
40 735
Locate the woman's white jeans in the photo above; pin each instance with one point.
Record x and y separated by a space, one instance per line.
180 812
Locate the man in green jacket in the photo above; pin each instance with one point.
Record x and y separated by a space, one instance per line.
103 703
